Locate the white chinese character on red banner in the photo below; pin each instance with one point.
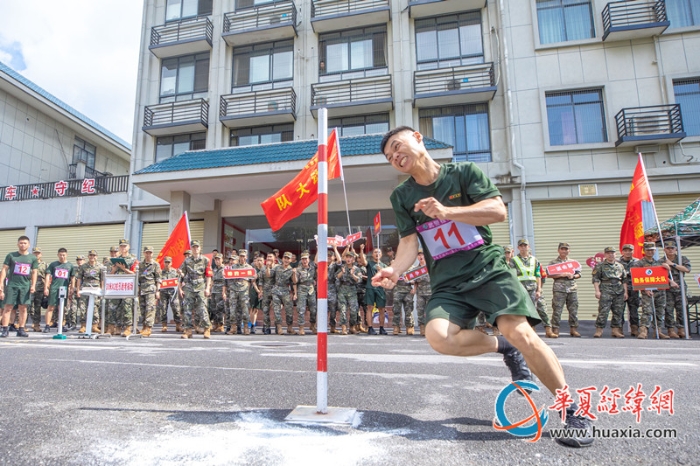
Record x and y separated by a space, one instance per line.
60 187
10 192
88 186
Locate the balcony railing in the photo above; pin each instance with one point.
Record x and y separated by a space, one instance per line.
70 188
344 7
197 32
370 94
277 15
422 8
634 19
158 118
270 106
661 123
330 15
455 84
89 172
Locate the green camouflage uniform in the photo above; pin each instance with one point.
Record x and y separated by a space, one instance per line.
238 293
659 297
266 284
347 293
194 285
282 294
611 277
90 276
632 295
564 291
332 294
169 296
121 310
38 295
403 302
528 269
423 293
149 280
306 293
674 301
361 291
217 308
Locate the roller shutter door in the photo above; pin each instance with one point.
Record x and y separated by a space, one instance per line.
589 226
156 234
78 240
501 232
8 241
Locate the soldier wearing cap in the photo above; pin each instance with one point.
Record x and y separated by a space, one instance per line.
195 288
38 296
565 291
255 293
120 316
72 310
217 300
404 293
348 276
169 296
611 292
113 252
285 291
674 300
374 296
306 297
627 259
653 302
423 293
149 290
334 262
266 282
89 275
528 270
238 290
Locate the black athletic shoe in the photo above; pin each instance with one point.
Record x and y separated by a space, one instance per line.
382 331
5 332
47 329
371 331
517 366
238 330
54 325
580 429
21 332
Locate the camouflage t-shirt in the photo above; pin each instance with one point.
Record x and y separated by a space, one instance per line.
149 277
90 276
194 273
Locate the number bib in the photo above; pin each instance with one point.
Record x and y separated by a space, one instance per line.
22 269
445 237
61 273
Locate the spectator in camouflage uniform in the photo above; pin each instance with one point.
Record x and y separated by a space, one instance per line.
258 265
89 275
404 293
527 269
423 293
387 257
306 296
333 264
674 301
169 296
374 296
121 310
72 316
149 290
285 280
195 288
266 281
565 291
632 295
348 277
238 291
218 295
611 292
651 300
38 296
362 308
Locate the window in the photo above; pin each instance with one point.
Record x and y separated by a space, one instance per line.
262 135
449 41
84 152
242 4
184 78
176 10
262 65
171 146
683 12
687 92
359 125
564 20
356 50
465 127
576 117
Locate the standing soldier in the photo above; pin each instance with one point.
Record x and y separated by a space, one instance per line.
674 299
266 281
19 269
73 309
348 276
423 293
564 291
374 296
632 295
217 308
306 297
334 263
38 297
254 291
611 293
404 293
361 306
658 296
89 275
238 291
149 290
195 288
527 268
59 273
113 252
285 280
169 296
121 310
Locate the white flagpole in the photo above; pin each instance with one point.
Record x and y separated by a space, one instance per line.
342 178
651 197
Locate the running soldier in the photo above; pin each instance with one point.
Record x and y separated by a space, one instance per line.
565 291
285 279
404 293
306 284
348 276
217 300
674 301
632 295
59 274
611 292
149 290
423 293
169 296
374 296
652 300
195 288
266 282
19 269
238 292
89 275
121 310
527 269
38 298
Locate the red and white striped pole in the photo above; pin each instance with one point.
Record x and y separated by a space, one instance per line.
322 292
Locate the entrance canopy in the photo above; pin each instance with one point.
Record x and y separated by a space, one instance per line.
685 225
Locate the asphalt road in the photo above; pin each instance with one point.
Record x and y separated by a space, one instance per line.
164 400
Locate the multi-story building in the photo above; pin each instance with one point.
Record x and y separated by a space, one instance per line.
553 99
63 177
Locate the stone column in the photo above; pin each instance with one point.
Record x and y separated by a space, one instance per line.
179 203
212 228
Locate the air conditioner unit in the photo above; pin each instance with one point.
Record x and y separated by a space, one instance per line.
454 84
275 19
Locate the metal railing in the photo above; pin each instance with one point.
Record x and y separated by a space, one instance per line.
258 102
174 113
459 78
344 7
270 15
351 91
185 30
70 188
635 13
89 172
647 121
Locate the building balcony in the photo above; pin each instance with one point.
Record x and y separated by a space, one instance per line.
423 8
359 96
661 124
274 21
258 108
188 116
334 15
184 37
634 20
458 85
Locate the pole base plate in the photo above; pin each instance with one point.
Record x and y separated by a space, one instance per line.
334 416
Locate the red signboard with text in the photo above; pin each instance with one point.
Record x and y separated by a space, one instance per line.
646 278
168 283
239 273
563 268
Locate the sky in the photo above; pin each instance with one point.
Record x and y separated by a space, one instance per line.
84 52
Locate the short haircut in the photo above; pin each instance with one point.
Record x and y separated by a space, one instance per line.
391 133
62 250
23 238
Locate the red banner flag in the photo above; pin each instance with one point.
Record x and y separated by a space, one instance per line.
632 228
377 223
178 242
291 201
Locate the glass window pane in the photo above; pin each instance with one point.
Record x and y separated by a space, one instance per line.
168 77
551 25
448 43
460 146
189 8
589 123
185 78
688 96
679 12
561 126
247 140
374 128
478 132
470 40
270 138
283 66
578 22
337 55
241 70
180 147
361 54
353 130
426 45
201 79
444 130
205 7
172 10
259 69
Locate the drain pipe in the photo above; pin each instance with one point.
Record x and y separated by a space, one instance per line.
509 127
